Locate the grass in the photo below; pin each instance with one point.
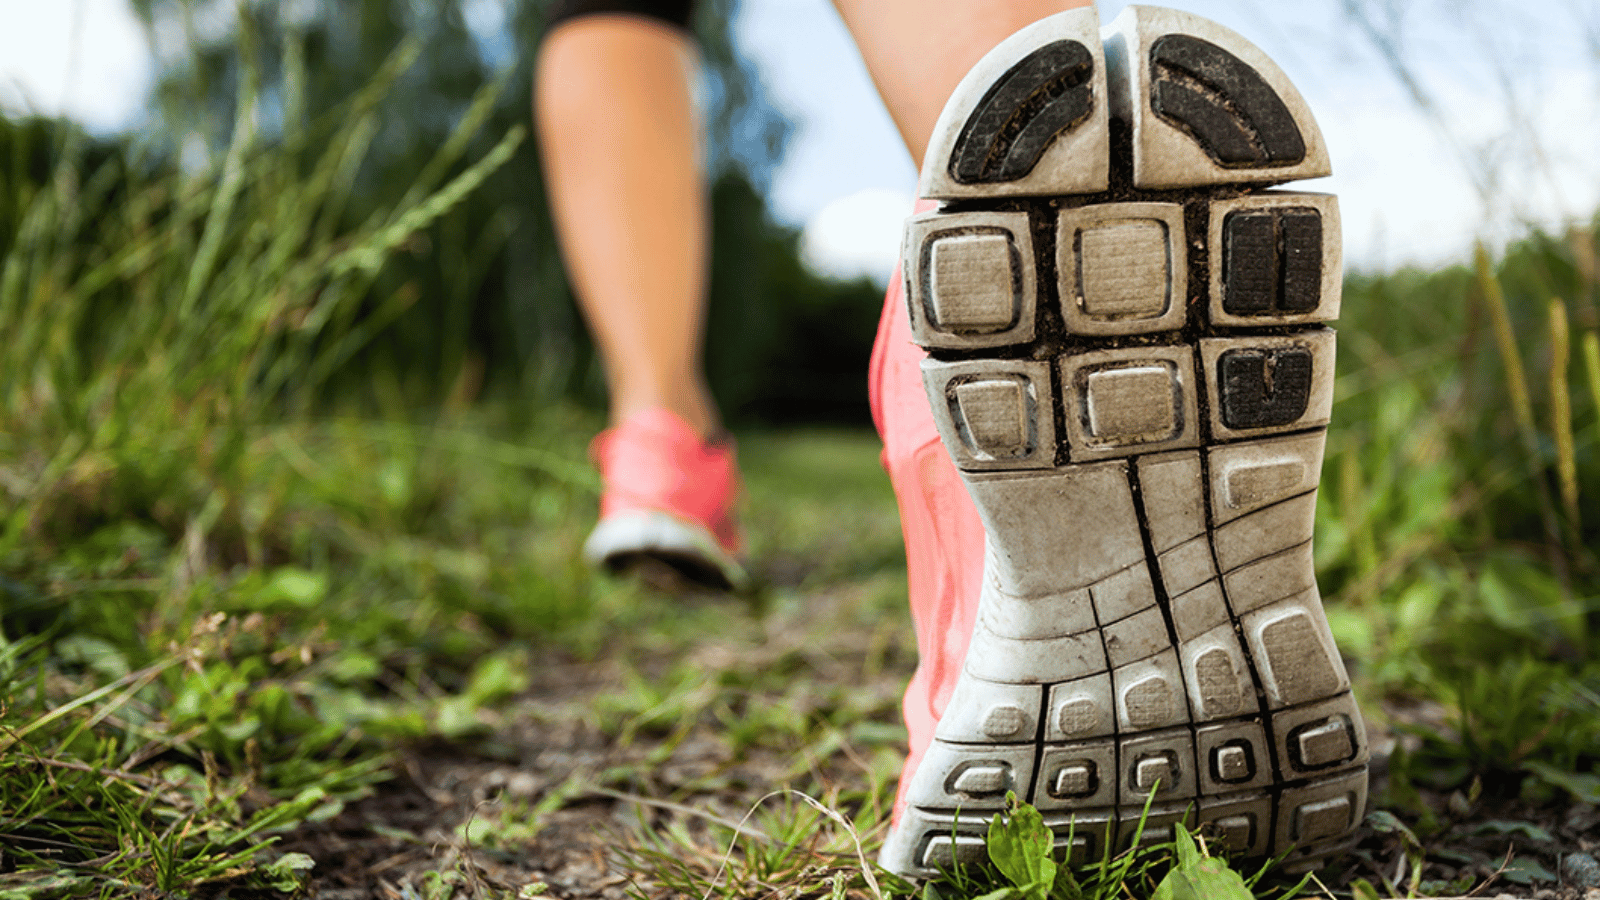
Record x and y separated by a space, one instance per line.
235 623
1021 867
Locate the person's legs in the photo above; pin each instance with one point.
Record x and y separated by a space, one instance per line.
620 141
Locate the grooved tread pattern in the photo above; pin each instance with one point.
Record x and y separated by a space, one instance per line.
1138 406
1150 627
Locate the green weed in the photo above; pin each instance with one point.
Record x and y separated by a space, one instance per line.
78 796
1023 866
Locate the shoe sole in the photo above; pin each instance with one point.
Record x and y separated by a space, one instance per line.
648 540
1130 365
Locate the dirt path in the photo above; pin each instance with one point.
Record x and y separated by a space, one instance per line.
619 776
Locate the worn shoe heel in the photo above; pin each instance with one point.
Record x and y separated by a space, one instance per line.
667 510
1130 365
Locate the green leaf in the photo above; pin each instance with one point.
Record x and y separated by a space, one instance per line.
1525 870
45 886
394 482
299 587
1209 879
1504 826
456 717
498 676
1584 786
98 655
1183 844
1066 886
1385 822
1362 889
1020 847
1197 877
288 872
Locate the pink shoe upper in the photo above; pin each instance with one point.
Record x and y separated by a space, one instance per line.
655 461
943 534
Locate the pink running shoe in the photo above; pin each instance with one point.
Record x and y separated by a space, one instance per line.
1131 367
669 497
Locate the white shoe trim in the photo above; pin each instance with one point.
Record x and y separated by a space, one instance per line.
653 533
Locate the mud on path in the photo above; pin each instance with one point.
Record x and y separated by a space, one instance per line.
628 775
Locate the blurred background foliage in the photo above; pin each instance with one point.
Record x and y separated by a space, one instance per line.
491 309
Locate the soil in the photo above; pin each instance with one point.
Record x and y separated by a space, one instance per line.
596 838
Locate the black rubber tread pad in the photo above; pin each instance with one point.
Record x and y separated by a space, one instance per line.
1272 262
1047 93
1236 117
1302 260
1250 253
1264 388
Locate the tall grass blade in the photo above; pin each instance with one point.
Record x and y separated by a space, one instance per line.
371 253
142 677
222 202
472 122
1591 365
1580 240
1521 405
1561 412
1506 341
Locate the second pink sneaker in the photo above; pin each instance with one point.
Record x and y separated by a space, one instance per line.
669 497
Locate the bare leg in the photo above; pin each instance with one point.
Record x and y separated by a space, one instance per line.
918 50
620 139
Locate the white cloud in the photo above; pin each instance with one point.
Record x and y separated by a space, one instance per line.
857 235
86 59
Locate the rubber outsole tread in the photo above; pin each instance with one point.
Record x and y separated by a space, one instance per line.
1135 386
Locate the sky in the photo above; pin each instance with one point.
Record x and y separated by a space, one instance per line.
1503 137
88 58
1412 189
